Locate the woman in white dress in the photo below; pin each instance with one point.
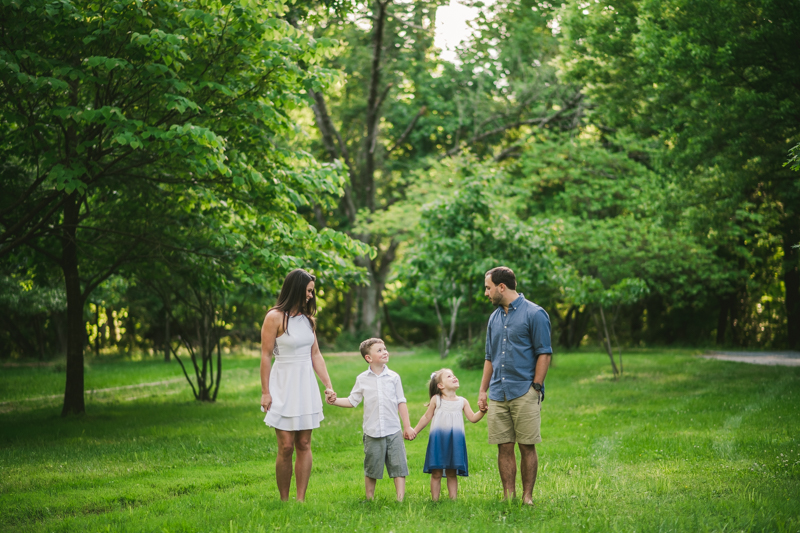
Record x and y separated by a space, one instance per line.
289 392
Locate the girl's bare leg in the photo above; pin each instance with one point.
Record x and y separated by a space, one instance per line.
302 463
452 484
436 484
283 462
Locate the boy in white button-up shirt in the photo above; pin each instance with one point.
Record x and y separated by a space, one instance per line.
382 393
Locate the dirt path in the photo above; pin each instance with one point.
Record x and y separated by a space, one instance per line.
758 358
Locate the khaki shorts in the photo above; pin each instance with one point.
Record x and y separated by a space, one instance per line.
390 451
516 420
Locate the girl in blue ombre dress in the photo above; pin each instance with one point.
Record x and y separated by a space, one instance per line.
447 446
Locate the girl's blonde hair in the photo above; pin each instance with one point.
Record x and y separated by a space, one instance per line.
433 385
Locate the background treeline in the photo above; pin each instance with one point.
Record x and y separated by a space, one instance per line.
164 164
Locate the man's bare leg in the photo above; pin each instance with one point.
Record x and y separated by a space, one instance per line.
400 487
369 484
529 464
507 464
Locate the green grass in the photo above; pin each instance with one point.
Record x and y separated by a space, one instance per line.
679 444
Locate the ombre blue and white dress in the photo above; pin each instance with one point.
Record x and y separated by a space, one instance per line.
447 445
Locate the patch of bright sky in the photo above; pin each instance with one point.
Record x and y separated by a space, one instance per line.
452 28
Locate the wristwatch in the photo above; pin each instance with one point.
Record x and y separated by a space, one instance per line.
538 388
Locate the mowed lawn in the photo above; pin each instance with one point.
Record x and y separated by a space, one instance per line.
680 443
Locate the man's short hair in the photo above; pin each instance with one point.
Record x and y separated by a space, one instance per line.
367 344
503 275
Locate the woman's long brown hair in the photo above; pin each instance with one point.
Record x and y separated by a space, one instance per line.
292 298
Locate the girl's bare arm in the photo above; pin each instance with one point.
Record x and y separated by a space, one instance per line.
472 417
426 417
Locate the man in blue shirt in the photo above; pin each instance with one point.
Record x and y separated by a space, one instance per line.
518 353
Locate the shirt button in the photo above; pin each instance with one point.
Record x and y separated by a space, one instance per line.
505 326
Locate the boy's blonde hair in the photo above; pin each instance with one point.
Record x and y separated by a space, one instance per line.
367 345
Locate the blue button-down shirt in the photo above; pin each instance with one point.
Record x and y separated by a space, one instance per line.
514 341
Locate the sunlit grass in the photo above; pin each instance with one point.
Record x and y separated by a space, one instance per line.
678 444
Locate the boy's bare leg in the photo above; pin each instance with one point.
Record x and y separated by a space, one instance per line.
400 487
436 484
302 462
452 484
507 464
529 464
369 484
283 462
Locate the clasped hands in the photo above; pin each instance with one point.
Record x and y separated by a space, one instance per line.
409 434
330 396
483 402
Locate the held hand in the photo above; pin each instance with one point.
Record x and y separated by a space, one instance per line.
330 396
483 403
266 402
409 434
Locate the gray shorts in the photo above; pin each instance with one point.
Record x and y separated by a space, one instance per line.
389 451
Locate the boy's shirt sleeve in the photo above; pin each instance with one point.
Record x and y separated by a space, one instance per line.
398 390
357 394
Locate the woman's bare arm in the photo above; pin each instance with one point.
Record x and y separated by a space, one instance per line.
270 330
321 370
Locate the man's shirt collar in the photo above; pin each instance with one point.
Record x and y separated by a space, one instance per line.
517 301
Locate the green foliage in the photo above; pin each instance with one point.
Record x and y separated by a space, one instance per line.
713 86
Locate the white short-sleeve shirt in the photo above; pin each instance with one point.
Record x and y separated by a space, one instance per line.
382 394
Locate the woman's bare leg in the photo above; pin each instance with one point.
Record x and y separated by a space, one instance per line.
436 484
283 462
452 484
302 463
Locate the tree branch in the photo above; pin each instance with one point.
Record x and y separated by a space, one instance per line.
541 121
410 127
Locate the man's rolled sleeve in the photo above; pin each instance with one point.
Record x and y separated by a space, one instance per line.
541 333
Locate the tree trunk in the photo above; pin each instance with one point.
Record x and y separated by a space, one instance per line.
791 281
395 334
76 331
349 323
722 320
167 336
369 319
112 326
97 327
604 341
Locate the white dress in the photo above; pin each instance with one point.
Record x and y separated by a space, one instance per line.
296 401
